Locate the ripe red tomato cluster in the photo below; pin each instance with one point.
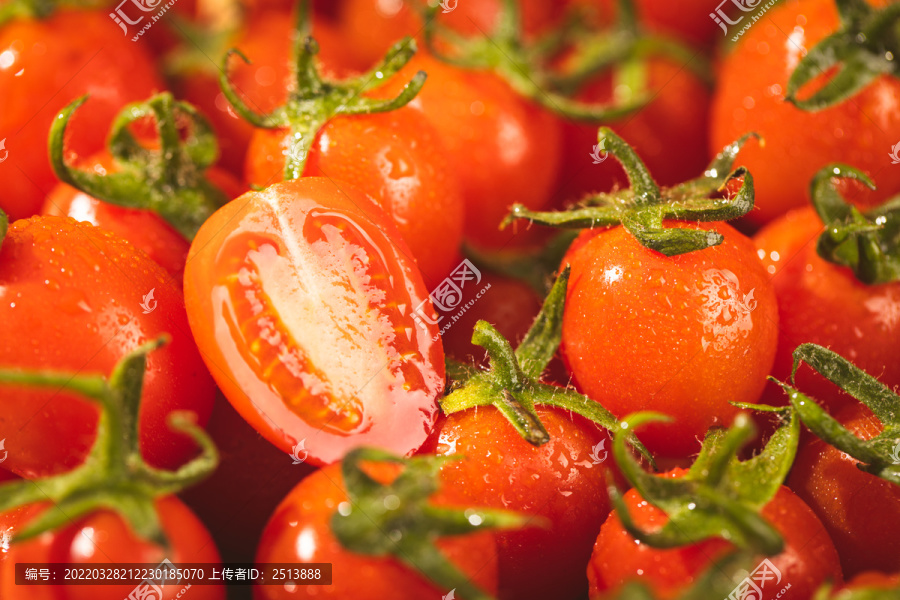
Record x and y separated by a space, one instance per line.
277 286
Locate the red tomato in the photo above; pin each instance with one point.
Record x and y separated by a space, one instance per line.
263 84
397 159
76 298
502 148
682 335
143 228
253 474
676 117
300 531
301 298
687 20
808 560
860 511
104 538
560 481
45 65
750 97
825 304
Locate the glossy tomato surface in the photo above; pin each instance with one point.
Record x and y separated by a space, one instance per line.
76 298
562 481
808 560
860 511
825 304
300 532
46 64
749 96
683 335
396 158
301 298
103 538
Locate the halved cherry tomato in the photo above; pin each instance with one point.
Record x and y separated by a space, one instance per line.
825 304
301 297
562 481
104 538
808 560
45 65
683 335
74 297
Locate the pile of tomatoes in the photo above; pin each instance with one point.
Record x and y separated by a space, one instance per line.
443 294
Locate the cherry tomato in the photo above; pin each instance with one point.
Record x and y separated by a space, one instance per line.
76 298
46 64
825 304
398 159
750 97
676 117
860 511
502 148
562 481
301 297
808 559
683 335
143 228
102 538
300 532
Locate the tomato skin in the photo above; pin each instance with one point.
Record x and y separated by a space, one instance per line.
92 283
144 228
348 353
557 481
750 97
300 531
808 560
677 117
398 159
860 511
56 60
502 148
825 304
683 335
102 538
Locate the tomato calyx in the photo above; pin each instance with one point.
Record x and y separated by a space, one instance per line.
114 475
880 455
525 65
512 383
4 225
396 519
314 100
643 207
170 180
865 46
867 243
720 495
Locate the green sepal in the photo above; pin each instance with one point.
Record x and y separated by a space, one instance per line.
643 207
880 455
4 226
114 475
41 9
313 101
866 46
512 383
867 243
170 181
826 592
397 519
719 496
